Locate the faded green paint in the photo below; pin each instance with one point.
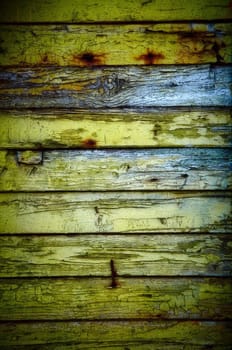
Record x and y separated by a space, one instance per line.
114 128
117 335
140 214
94 298
160 169
94 45
90 255
119 212
115 10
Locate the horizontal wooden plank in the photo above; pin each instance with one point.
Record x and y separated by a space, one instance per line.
96 129
115 212
96 45
94 298
117 10
174 169
140 255
133 86
117 335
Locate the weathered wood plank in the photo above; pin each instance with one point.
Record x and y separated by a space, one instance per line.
115 212
115 10
90 255
94 298
96 45
169 169
117 335
96 129
149 86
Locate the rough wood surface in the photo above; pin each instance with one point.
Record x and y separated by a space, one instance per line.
95 298
90 255
115 128
115 212
156 169
96 45
148 86
115 10
117 335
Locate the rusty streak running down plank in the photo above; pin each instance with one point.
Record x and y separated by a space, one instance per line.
94 45
137 298
70 11
148 86
156 169
116 335
115 212
135 128
133 255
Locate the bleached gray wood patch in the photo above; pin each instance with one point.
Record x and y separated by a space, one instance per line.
148 86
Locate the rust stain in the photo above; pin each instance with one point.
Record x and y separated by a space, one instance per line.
89 59
150 57
114 274
89 143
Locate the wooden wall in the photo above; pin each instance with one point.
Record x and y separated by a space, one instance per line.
115 177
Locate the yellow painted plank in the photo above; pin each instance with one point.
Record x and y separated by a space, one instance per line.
112 87
103 170
116 335
94 298
96 45
115 10
115 212
132 255
115 128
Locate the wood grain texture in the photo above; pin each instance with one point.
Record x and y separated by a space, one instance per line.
117 335
96 45
117 10
93 170
90 255
135 128
148 86
94 298
115 212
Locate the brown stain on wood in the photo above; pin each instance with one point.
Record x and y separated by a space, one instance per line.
114 275
89 59
45 59
89 143
201 44
150 57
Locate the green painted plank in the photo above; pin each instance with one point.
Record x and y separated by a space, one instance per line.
115 10
135 128
118 335
139 255
85 170
115 212
95 298
109 87
96 45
